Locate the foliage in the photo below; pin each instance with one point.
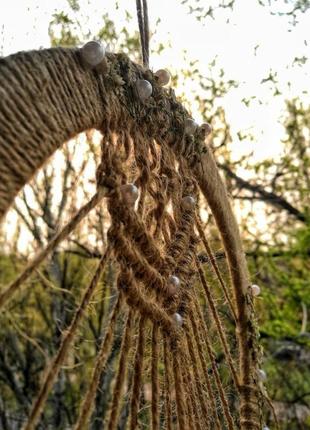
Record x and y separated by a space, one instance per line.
276 190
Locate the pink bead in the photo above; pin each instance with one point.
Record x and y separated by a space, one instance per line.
93 53
130 193
144 89
163 77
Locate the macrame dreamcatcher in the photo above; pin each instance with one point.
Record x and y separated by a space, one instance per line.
155 169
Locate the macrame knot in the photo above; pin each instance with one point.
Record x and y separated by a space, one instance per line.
249 398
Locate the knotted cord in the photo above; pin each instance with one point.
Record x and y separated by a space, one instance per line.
143 22
198 363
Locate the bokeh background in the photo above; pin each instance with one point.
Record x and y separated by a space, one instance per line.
244 67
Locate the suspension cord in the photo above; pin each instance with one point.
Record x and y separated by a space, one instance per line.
143 21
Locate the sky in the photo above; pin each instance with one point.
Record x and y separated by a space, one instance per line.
247 43
247 47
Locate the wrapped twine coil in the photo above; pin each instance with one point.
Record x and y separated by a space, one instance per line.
46 98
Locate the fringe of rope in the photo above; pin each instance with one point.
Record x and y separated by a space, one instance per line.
121 372
137 379
53 368
105 348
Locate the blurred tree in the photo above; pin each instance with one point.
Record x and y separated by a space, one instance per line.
276 190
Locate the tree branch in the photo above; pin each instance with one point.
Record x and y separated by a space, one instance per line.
266 196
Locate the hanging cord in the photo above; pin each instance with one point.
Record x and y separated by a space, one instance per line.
143 21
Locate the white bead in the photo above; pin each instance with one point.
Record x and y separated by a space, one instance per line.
266 428
163 77
190 126
206 128
93 53
255 290
144 89
173 285
178 319
130 194
188 202
261 375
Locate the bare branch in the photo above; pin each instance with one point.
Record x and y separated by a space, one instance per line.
266 196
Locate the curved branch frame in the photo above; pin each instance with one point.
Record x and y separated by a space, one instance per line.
48 97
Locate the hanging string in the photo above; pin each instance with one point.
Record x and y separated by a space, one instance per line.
143 21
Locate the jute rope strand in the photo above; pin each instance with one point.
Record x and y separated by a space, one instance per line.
212 187
192 396
121 372
88 403
148 308
221 391
179 391
214 265
54 367
137 379
192 353
168 384
136 231
141 23
48 97
200 348
217 321
154 378
62 235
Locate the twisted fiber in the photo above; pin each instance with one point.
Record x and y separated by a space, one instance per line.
137 379
53 368
141 145
205 339
106 344
168 384
194 412
139 264
143 271
146 32
197 336
194 409
190 398
212 187
55 98
218 323
248 409
186 273
141 22
32 114
154 378
149 308
63 234
179 391
180 241
136 230
222 395
121 372
104 101
193 357
214 265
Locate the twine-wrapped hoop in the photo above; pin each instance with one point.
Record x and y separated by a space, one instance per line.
48 97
